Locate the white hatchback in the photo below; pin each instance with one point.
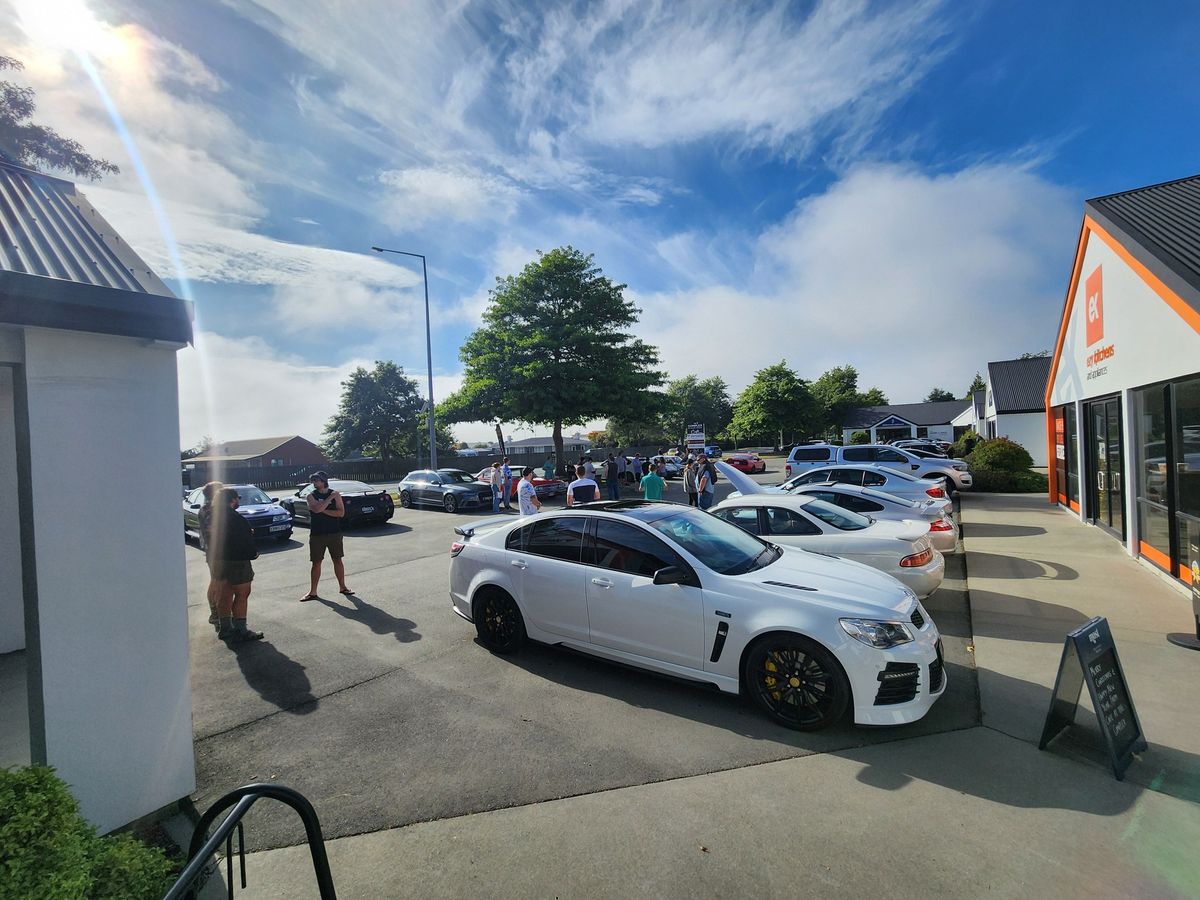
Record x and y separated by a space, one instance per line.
876 504
673 589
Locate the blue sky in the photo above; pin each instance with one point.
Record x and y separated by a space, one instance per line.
892 185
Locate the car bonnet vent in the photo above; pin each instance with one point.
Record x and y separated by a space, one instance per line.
795 587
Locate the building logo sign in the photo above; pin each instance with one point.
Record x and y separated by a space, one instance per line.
1093 292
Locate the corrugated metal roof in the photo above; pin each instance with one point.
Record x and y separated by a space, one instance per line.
1162 221
1019 385
48 228
247 449
940 413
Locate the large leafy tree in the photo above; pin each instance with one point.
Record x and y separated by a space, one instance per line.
555 350
978 384
27 144
380 413
937 395
776 406
692 399
836 392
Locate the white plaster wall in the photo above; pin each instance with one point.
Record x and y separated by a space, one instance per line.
941 432
12 605
112 596
1028 430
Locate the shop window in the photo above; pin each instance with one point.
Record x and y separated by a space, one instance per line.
1071 429
1186 462
1152 468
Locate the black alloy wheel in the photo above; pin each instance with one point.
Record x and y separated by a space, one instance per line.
796 681
499 623
405 499
450 502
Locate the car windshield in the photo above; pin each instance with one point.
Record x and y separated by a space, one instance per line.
836 516
457 477
350 487
250 496
721 546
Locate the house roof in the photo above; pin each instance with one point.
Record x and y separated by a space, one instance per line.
247 449
63 266
1019 385
1160 226
940 413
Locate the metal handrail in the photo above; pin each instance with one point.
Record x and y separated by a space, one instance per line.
241 799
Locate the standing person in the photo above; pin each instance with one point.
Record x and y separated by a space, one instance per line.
548 466
589 467
582 489
234 549
612 477
216 586
506 477
653 484
325 513
527 498
704 483
689 482
636 462
497 480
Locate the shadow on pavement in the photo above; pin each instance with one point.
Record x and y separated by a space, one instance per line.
1001 565
269 547
998 530
383 529
277 678
373 617
1022 619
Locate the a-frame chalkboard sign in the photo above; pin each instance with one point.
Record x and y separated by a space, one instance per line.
1099 667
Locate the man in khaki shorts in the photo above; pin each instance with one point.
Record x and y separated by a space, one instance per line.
325 513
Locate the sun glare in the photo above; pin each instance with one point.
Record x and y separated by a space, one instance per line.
71 25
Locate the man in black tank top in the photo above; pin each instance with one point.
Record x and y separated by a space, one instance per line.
325 513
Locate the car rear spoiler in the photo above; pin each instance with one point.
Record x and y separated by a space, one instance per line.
468 531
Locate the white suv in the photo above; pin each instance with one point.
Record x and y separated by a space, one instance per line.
812 456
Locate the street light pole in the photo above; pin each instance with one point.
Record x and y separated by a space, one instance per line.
428 350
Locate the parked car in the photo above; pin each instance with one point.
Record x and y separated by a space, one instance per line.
466 451
954 472
712 451
900 549
365 505
266 517
876 504
545 488
750 463
451 489
672 465
928 446
675 590
894 481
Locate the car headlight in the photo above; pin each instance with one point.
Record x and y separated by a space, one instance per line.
961 467
282 517
873 633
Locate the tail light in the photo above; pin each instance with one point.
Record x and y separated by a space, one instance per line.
788 470
941 525
458 547
917 559
936 492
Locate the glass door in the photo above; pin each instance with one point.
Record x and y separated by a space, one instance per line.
1106 475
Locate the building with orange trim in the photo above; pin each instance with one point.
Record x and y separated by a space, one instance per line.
1123 394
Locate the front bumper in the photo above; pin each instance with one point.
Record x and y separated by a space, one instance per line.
879 677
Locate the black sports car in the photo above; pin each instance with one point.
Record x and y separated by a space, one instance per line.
364 504
451 489
265 515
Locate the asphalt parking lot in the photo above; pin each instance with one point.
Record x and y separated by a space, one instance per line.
383 710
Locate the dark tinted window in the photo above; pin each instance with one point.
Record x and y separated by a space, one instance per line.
789 522
886 455
858 454
856 503
628 548
846 476
810 454
418 478
872 479
828 496
745 517
560 538
517 537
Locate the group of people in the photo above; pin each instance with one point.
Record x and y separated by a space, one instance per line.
699 480
501 478
230 549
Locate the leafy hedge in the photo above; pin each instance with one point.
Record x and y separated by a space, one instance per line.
47 849
1003 454
1003 481
860 437
966 442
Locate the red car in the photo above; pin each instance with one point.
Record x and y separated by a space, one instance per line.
750 463
545 488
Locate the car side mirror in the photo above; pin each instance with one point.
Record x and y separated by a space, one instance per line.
274 499
670 575
914 466
195 506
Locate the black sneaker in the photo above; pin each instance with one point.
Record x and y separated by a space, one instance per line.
242 636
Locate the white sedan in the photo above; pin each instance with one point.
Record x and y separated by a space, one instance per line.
900 549
675 590
893 481
876 504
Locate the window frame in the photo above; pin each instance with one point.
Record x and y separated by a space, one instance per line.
546 523
764 514
589 554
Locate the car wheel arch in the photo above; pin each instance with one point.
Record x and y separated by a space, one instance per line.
767 633
489 588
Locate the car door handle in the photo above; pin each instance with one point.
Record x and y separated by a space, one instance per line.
603 582
519 563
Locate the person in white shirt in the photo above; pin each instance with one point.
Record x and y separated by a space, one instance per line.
589 467
527 498
497 479
582 489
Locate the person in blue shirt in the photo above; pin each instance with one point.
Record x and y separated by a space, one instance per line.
506 477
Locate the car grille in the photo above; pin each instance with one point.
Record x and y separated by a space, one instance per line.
897 683
937 671
918 620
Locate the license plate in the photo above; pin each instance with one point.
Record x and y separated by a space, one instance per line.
367 509
283 527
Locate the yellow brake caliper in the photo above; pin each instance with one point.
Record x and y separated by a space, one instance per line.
770 679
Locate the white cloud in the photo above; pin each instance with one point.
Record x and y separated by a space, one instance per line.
423 193
916 279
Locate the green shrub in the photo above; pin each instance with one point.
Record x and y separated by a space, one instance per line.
1003 454
965 443
860 437
1002 481
47 849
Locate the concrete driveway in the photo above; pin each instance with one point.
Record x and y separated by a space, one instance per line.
383 710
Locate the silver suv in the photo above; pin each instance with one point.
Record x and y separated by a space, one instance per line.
810 456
